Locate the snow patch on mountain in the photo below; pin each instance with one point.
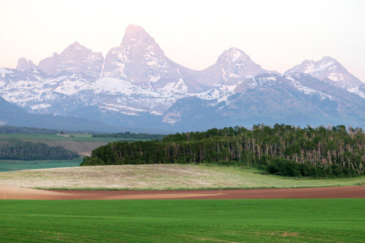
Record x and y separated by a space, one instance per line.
312 67
154 79
5 70
71 87
178 87
327 69
263 81
356 90
235 54
336 77
306 90
40 106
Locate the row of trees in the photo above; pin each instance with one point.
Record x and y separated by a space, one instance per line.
130 135
39 151
333 150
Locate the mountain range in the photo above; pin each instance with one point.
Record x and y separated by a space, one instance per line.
137 86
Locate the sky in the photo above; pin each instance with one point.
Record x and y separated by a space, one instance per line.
276 34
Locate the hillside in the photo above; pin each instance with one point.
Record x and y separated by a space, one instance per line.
13 115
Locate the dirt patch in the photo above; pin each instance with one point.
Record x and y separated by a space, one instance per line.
8 192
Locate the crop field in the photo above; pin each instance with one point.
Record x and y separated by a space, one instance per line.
268 220
15 165
162 177
83 144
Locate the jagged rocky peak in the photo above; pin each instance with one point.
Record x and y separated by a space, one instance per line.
232 66
133 28
140 59
76 58
24 64
327 69
234 55
135 34
50 64
138 45
75 48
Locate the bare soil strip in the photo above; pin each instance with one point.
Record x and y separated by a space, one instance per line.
8 192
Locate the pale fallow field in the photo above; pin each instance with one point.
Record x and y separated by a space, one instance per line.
161 177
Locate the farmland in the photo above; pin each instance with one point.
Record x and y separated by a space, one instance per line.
15 165
249 220
83 144
57 137
289 220
162 177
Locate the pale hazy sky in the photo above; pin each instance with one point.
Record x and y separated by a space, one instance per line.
275 34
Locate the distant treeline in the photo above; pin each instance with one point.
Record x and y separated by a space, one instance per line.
38 151
281 149
35 130
131 135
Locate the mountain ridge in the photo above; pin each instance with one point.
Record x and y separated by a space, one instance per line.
137 85
150 64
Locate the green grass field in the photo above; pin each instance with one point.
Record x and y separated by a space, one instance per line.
288 220
15 165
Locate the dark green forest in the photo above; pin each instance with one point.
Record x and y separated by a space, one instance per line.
280 149
35 151
130 135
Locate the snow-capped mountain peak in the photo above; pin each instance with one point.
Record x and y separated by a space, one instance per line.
234 55
232 66
327 69
74 59
140 59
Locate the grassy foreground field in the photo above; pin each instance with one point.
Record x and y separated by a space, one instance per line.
298 220
161 177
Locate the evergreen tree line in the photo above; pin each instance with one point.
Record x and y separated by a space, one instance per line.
38 151
281 149
130 135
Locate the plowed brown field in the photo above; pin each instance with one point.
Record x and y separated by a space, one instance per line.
8 192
